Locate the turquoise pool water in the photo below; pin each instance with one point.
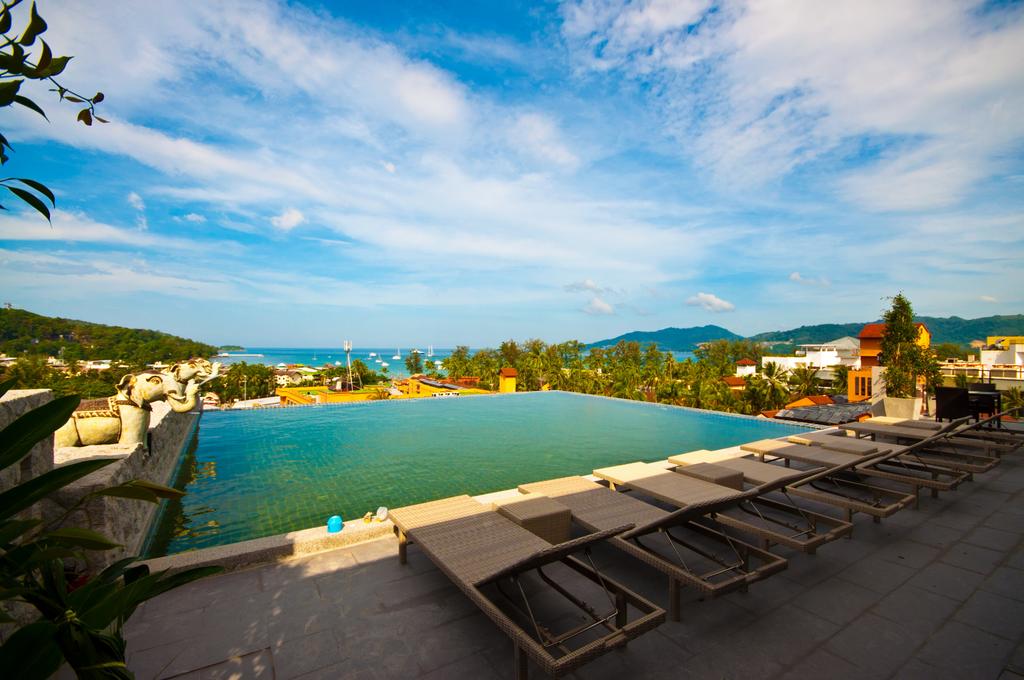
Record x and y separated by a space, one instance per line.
259 473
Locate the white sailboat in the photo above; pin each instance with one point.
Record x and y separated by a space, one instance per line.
430 351
373 354
398 355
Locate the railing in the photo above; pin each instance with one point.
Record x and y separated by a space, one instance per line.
983 372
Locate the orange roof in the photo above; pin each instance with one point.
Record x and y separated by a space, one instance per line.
746 362
769 414
877 330
734 381
508 373
821 399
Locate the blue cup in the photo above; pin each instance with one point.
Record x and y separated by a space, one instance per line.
334 524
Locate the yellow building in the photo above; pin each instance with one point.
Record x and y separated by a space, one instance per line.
1004 341
507 379
862 383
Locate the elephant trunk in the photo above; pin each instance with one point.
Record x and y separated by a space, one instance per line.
183 404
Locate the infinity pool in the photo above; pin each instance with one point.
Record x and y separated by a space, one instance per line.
259 473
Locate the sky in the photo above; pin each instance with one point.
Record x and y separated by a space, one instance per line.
296 174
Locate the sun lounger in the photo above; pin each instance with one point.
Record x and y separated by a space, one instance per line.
948 439
773 515
671 542
938 457
483 552
888 463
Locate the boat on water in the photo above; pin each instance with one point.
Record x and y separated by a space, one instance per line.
373 354
384 364
398 355
430 351
228 354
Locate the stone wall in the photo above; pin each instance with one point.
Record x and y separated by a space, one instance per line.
39 460
125 521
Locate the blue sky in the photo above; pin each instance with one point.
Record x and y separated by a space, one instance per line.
439 173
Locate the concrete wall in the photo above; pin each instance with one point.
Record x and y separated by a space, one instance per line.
13 405
125 521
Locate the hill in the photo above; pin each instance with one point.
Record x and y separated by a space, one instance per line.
944 329
23 332
672 339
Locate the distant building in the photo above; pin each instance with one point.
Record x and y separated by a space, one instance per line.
866 383
507 379
736 383
746 367
824 356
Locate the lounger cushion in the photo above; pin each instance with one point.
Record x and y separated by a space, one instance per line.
716 474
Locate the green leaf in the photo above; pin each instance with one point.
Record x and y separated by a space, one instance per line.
50 554
82 538
40 187
33 651
45 56
56 67
29 104
9 90
18 438
85 116
13 528
142 490
25 494
97 98
5 20
36 25
32 200
73 99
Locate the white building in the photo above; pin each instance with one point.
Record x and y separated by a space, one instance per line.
843 351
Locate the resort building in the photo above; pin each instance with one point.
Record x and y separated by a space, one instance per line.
746 367
1000 361
866 383
843 351
507 379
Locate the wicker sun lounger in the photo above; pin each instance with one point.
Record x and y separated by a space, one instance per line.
893 463
671 542
939 457
948 439
773 515
483 553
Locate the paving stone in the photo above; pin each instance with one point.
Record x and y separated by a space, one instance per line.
194 675
993 613
877 574
1017 559
993 539
947 580
1006 581
966 651
972 557
877 645
822 664
297 656
476 666
648 656
283 574
957 520
915 669
204 592
782 637
154 663
256 666
909 553
936 536
375 551
919 611
836 600
438 646
156 631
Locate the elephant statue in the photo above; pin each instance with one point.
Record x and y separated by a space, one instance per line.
124 417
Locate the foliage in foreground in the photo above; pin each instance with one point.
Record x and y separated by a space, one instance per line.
80 623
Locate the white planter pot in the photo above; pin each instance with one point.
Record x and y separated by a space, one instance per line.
900 407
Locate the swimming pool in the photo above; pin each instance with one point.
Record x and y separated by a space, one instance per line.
259 473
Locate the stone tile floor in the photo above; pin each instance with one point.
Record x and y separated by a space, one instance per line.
932 593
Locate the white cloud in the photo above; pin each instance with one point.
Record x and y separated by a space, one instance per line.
194 217
136 201
539 136
710 303
987 298
584 286
387 165
597 306
754 90
288 220
821 281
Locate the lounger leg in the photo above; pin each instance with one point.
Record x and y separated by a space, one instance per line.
522 667
402 544
673 599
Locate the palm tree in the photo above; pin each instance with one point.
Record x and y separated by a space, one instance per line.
1013 398
840 379
777 385
804 380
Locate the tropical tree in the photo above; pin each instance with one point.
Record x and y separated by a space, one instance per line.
414 362
840 379
905 360
776 388
456 364
804 381
1013 398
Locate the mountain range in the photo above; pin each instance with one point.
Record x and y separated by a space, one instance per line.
951 329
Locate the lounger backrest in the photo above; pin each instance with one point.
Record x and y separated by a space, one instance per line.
554 554
690 512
